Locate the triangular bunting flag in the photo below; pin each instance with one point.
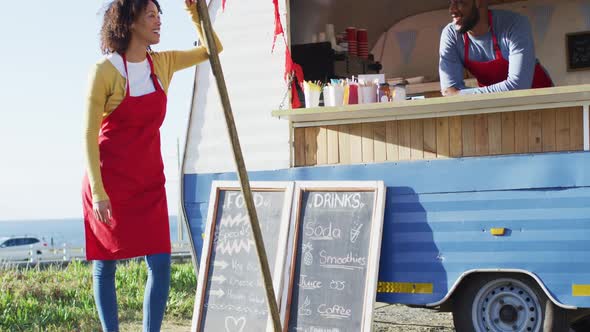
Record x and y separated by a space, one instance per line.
541 17
585 10
407 43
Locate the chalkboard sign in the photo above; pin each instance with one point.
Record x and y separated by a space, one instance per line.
578 51
230 294
335 257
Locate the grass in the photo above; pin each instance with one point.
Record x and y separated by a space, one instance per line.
61 299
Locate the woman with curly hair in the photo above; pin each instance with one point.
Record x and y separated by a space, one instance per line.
124 200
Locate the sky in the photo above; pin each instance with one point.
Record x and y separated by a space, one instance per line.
46 51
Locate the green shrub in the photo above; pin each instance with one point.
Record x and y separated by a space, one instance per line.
61 299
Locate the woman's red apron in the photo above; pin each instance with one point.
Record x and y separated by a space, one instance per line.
496 71
133 177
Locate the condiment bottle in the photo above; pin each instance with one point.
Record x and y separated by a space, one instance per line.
384 93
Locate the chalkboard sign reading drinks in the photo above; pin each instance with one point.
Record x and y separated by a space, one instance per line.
335 257
230 295
578 51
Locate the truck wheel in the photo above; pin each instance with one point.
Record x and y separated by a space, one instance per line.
499 303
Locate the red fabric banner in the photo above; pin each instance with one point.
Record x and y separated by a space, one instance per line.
278 25
292 70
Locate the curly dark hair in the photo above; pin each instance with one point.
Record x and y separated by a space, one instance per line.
115 33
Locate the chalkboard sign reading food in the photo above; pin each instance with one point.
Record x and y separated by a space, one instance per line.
231 295
578 51
335 257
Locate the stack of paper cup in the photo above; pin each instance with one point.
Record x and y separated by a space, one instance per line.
351 38
362 38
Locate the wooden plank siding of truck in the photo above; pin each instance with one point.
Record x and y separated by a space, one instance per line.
481 135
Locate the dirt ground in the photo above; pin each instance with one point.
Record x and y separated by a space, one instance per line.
387 318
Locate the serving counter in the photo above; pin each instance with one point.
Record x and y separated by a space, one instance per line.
525 121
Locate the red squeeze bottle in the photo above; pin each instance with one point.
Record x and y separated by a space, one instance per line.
353 97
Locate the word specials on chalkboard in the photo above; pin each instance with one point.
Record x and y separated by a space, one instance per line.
578 51
337 239
231 295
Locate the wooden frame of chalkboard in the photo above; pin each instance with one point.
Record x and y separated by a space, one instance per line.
334 256
230 291
577 46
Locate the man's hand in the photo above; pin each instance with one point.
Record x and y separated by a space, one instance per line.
103 211
190 2
451 91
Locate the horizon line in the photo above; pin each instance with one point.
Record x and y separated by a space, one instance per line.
54 219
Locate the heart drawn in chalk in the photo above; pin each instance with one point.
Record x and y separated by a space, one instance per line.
235 325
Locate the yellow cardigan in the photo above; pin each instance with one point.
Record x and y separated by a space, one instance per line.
107 89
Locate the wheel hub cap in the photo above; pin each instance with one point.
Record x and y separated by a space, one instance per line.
508 314
507 305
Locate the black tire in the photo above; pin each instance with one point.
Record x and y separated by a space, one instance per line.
507 294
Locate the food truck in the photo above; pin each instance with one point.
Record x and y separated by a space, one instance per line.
487 211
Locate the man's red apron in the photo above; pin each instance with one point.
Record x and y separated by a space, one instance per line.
495 71
133 177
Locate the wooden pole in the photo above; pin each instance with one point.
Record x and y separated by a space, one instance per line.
239 160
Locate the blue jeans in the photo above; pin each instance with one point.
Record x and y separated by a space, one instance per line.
155 296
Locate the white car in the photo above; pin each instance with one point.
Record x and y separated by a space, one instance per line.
21 248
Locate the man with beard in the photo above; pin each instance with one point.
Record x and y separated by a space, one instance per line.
496 47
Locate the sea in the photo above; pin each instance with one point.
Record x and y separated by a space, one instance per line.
57 232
